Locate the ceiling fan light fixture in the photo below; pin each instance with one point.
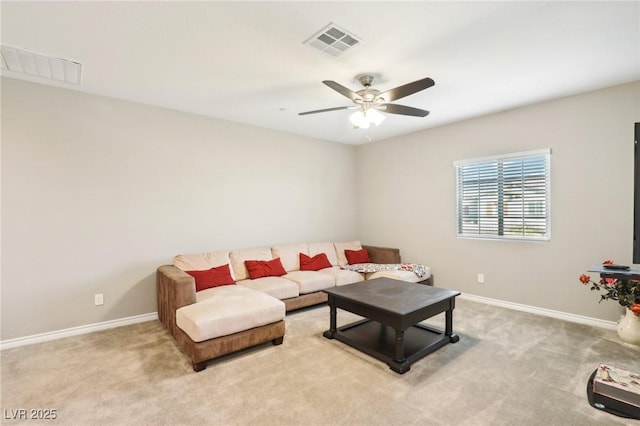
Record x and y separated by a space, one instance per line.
362 119
374 116
359 120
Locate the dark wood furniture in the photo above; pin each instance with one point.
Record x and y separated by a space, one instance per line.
392 310
633 273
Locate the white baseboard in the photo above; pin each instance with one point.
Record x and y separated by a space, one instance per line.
611 325
90 328
74 331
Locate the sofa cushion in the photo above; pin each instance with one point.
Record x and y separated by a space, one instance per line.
237 258
288 254
327 248
213 277
310 281
227 310
341 247
342 277
201 261
357 256
315 263
264 268
278 287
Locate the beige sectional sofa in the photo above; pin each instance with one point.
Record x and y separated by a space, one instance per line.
216 321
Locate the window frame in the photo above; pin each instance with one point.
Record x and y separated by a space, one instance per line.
498 162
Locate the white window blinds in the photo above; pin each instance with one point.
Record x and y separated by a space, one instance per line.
505 196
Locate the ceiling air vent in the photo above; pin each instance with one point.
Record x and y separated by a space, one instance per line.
37 65
333 40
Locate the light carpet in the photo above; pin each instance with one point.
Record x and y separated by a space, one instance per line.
509 368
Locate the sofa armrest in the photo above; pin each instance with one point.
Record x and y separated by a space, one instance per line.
383 255
175 289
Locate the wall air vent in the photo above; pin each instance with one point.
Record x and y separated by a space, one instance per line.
37 65
333 40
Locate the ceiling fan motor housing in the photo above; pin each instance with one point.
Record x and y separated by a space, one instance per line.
366 80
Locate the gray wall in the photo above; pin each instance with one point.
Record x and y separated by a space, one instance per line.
97 192
406 199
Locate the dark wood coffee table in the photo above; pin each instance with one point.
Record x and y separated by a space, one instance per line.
392 309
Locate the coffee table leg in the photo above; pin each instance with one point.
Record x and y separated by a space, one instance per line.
399 363
399 356
332 320
448 331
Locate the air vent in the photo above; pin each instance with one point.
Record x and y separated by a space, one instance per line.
37 65
333 40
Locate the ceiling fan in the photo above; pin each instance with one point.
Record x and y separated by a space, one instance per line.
369 102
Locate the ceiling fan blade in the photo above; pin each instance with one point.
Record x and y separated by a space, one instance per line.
342 90
404 110
406 89
323 110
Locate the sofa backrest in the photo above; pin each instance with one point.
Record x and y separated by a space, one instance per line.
341 247
201 261
289 255
326 248
238 257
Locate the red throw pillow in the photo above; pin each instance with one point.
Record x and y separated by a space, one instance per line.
315 263
357 256
214 277
264 268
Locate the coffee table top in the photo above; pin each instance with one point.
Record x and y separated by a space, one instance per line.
392 295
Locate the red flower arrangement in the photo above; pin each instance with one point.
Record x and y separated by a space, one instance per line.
625 291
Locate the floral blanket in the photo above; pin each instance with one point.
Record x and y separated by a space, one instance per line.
419 270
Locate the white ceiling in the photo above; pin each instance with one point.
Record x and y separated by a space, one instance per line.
246 61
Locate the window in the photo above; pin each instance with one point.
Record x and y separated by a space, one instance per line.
504 197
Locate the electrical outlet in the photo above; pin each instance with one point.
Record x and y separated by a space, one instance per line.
99 299
481 278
